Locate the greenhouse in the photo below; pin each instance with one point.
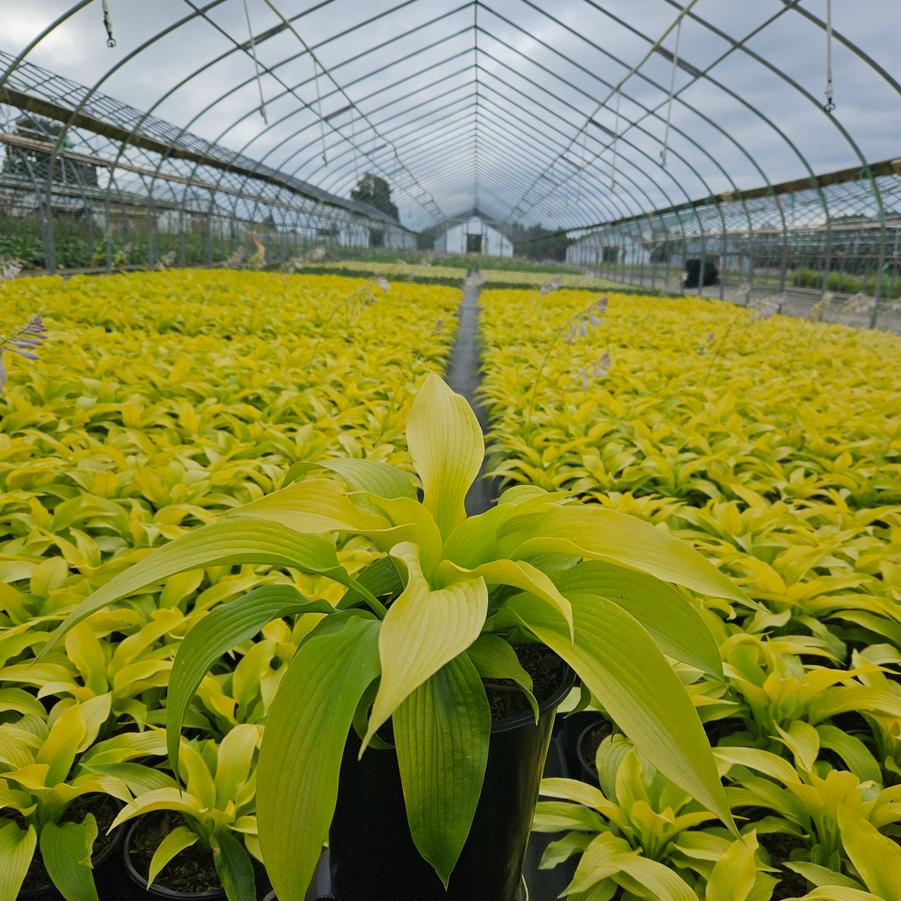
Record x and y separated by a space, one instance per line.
450 450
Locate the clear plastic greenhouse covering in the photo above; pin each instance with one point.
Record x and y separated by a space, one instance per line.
764 137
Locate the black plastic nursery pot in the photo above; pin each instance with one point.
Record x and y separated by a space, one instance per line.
372 854
590 739
157 890
568 729
105 862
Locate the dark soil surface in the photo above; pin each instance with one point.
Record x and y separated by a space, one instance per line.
104 808
547 670
191 871
717 730
780 847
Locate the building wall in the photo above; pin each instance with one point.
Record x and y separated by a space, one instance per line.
453 240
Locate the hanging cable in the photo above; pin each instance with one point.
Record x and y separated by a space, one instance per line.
256 63
829 105
581 171
672 91
108 25
319 107
615 138
353 143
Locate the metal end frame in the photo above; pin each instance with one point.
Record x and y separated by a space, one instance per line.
639 132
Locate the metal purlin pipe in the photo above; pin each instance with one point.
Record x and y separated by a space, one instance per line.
728 91
729 137
655 164
54 156
811 99
574 87
312 53
310 144
318 119
702 74
222 56
625 78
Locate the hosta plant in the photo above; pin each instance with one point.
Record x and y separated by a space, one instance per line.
844 825
443 595
215 808
47 763
640 833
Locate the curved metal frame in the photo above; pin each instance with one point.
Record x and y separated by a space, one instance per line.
439 115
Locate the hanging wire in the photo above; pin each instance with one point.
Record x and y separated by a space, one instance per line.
256 62
319 107
672 90
108 25
829 105
615 139
581 172
353 143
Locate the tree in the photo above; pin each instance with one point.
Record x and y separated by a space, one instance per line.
376 192
537 242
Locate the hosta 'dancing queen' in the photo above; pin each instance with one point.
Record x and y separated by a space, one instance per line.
592 585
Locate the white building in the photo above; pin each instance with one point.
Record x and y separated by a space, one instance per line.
474 235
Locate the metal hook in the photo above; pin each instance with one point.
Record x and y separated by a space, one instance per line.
829 105
108 25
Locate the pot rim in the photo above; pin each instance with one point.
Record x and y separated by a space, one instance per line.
160 891
505 724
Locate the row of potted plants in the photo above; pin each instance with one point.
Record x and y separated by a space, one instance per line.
769 445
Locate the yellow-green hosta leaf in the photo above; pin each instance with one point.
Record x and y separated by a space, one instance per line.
175 842
581 793
167 798
66 852
198 778
757 759
820 875
70 733
625 670
875 856
16 851
610 856
219 631
735 873
672 622
411 522
86 652
313 506
233 866
515 573
446 444
372 476
852 750
238 540
837 893
599 534
234 759
423 630
657 879
803 740
442 727
303 743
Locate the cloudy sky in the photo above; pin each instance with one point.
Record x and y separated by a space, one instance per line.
508 105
